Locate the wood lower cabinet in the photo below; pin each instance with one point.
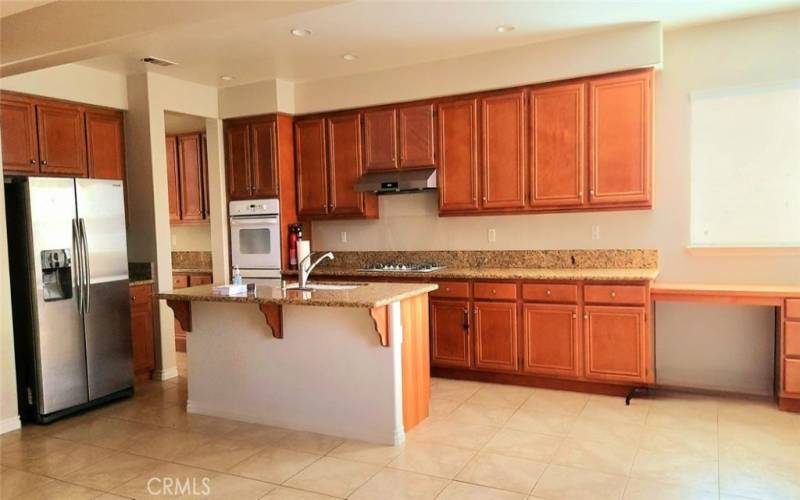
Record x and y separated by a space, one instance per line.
496 336
450 333
458 155
620 136
503 155
380 140
615 344
62 140
551 340
142 338
557 145
791 377
18 131
105 144
184 280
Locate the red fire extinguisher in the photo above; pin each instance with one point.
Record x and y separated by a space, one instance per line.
295 234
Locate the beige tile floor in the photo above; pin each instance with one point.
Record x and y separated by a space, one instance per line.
482 441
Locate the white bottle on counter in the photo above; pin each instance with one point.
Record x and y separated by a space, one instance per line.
237 276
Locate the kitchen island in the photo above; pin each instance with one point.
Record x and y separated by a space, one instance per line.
349 361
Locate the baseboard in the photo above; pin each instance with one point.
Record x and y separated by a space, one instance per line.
10 424
395 438
165 374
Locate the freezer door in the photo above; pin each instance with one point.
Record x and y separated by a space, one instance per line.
107 313
59 350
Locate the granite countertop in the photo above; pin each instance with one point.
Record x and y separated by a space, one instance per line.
192 270
140 282
588 274
366 295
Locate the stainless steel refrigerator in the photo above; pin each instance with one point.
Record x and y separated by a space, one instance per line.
69 279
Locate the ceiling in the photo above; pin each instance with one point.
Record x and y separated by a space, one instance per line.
251 41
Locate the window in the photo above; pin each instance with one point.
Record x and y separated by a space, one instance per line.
745 167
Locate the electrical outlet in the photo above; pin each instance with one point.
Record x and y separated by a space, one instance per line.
595 232
492 236
343 236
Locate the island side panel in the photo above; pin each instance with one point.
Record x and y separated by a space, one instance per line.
416 360
328 374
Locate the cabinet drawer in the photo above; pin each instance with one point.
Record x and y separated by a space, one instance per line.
200 279
140 294
791 374
452 290
543 292
615 294
791 346
495 291
792 308
180 281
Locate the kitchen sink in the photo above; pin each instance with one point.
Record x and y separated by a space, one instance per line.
325 286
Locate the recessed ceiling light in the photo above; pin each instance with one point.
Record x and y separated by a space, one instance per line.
301 32
349 57
227 78
505 28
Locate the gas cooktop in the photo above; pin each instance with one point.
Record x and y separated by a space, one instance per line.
403 268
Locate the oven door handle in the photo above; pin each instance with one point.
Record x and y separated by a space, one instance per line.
271 221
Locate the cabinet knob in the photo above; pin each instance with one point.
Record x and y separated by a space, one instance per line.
591 192
44 162
613 294
484 198
585 316
494 291
33 162
580 193
133 298
447 289
547 292
574 316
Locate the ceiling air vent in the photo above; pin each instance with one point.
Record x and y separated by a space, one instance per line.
158 61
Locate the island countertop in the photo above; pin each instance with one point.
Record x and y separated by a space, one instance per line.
496 273
364 295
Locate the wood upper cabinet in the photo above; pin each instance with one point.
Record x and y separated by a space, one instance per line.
416 131
191 177
557 145
105 144
204 171
620 136
173 184
345 146
458 155
450 333
311 166
237 159
496 336
615 344
503 150
551 340
264 163
18 130
380 139
62 140
142 338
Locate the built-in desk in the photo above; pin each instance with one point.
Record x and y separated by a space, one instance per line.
785 300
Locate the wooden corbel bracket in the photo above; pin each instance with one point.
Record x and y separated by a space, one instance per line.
182 309
380 315
273 313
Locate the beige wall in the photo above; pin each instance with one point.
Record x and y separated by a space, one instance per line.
191 237
257 98
734 53
72 82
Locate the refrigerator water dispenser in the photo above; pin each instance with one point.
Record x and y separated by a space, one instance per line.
56 274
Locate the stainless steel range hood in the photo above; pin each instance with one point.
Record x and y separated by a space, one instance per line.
397 182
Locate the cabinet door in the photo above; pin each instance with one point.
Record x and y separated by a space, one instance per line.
105 144
312 167
416 136
191 178
551 340
18 132
380 139
62 140
237 161
264 162
620 137
200 279
615 343
503 153
458 155
496 336
450 338
142 341
345 147
204 172
173 184
557 145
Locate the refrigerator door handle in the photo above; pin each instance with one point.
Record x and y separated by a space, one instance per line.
86 269
78 264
